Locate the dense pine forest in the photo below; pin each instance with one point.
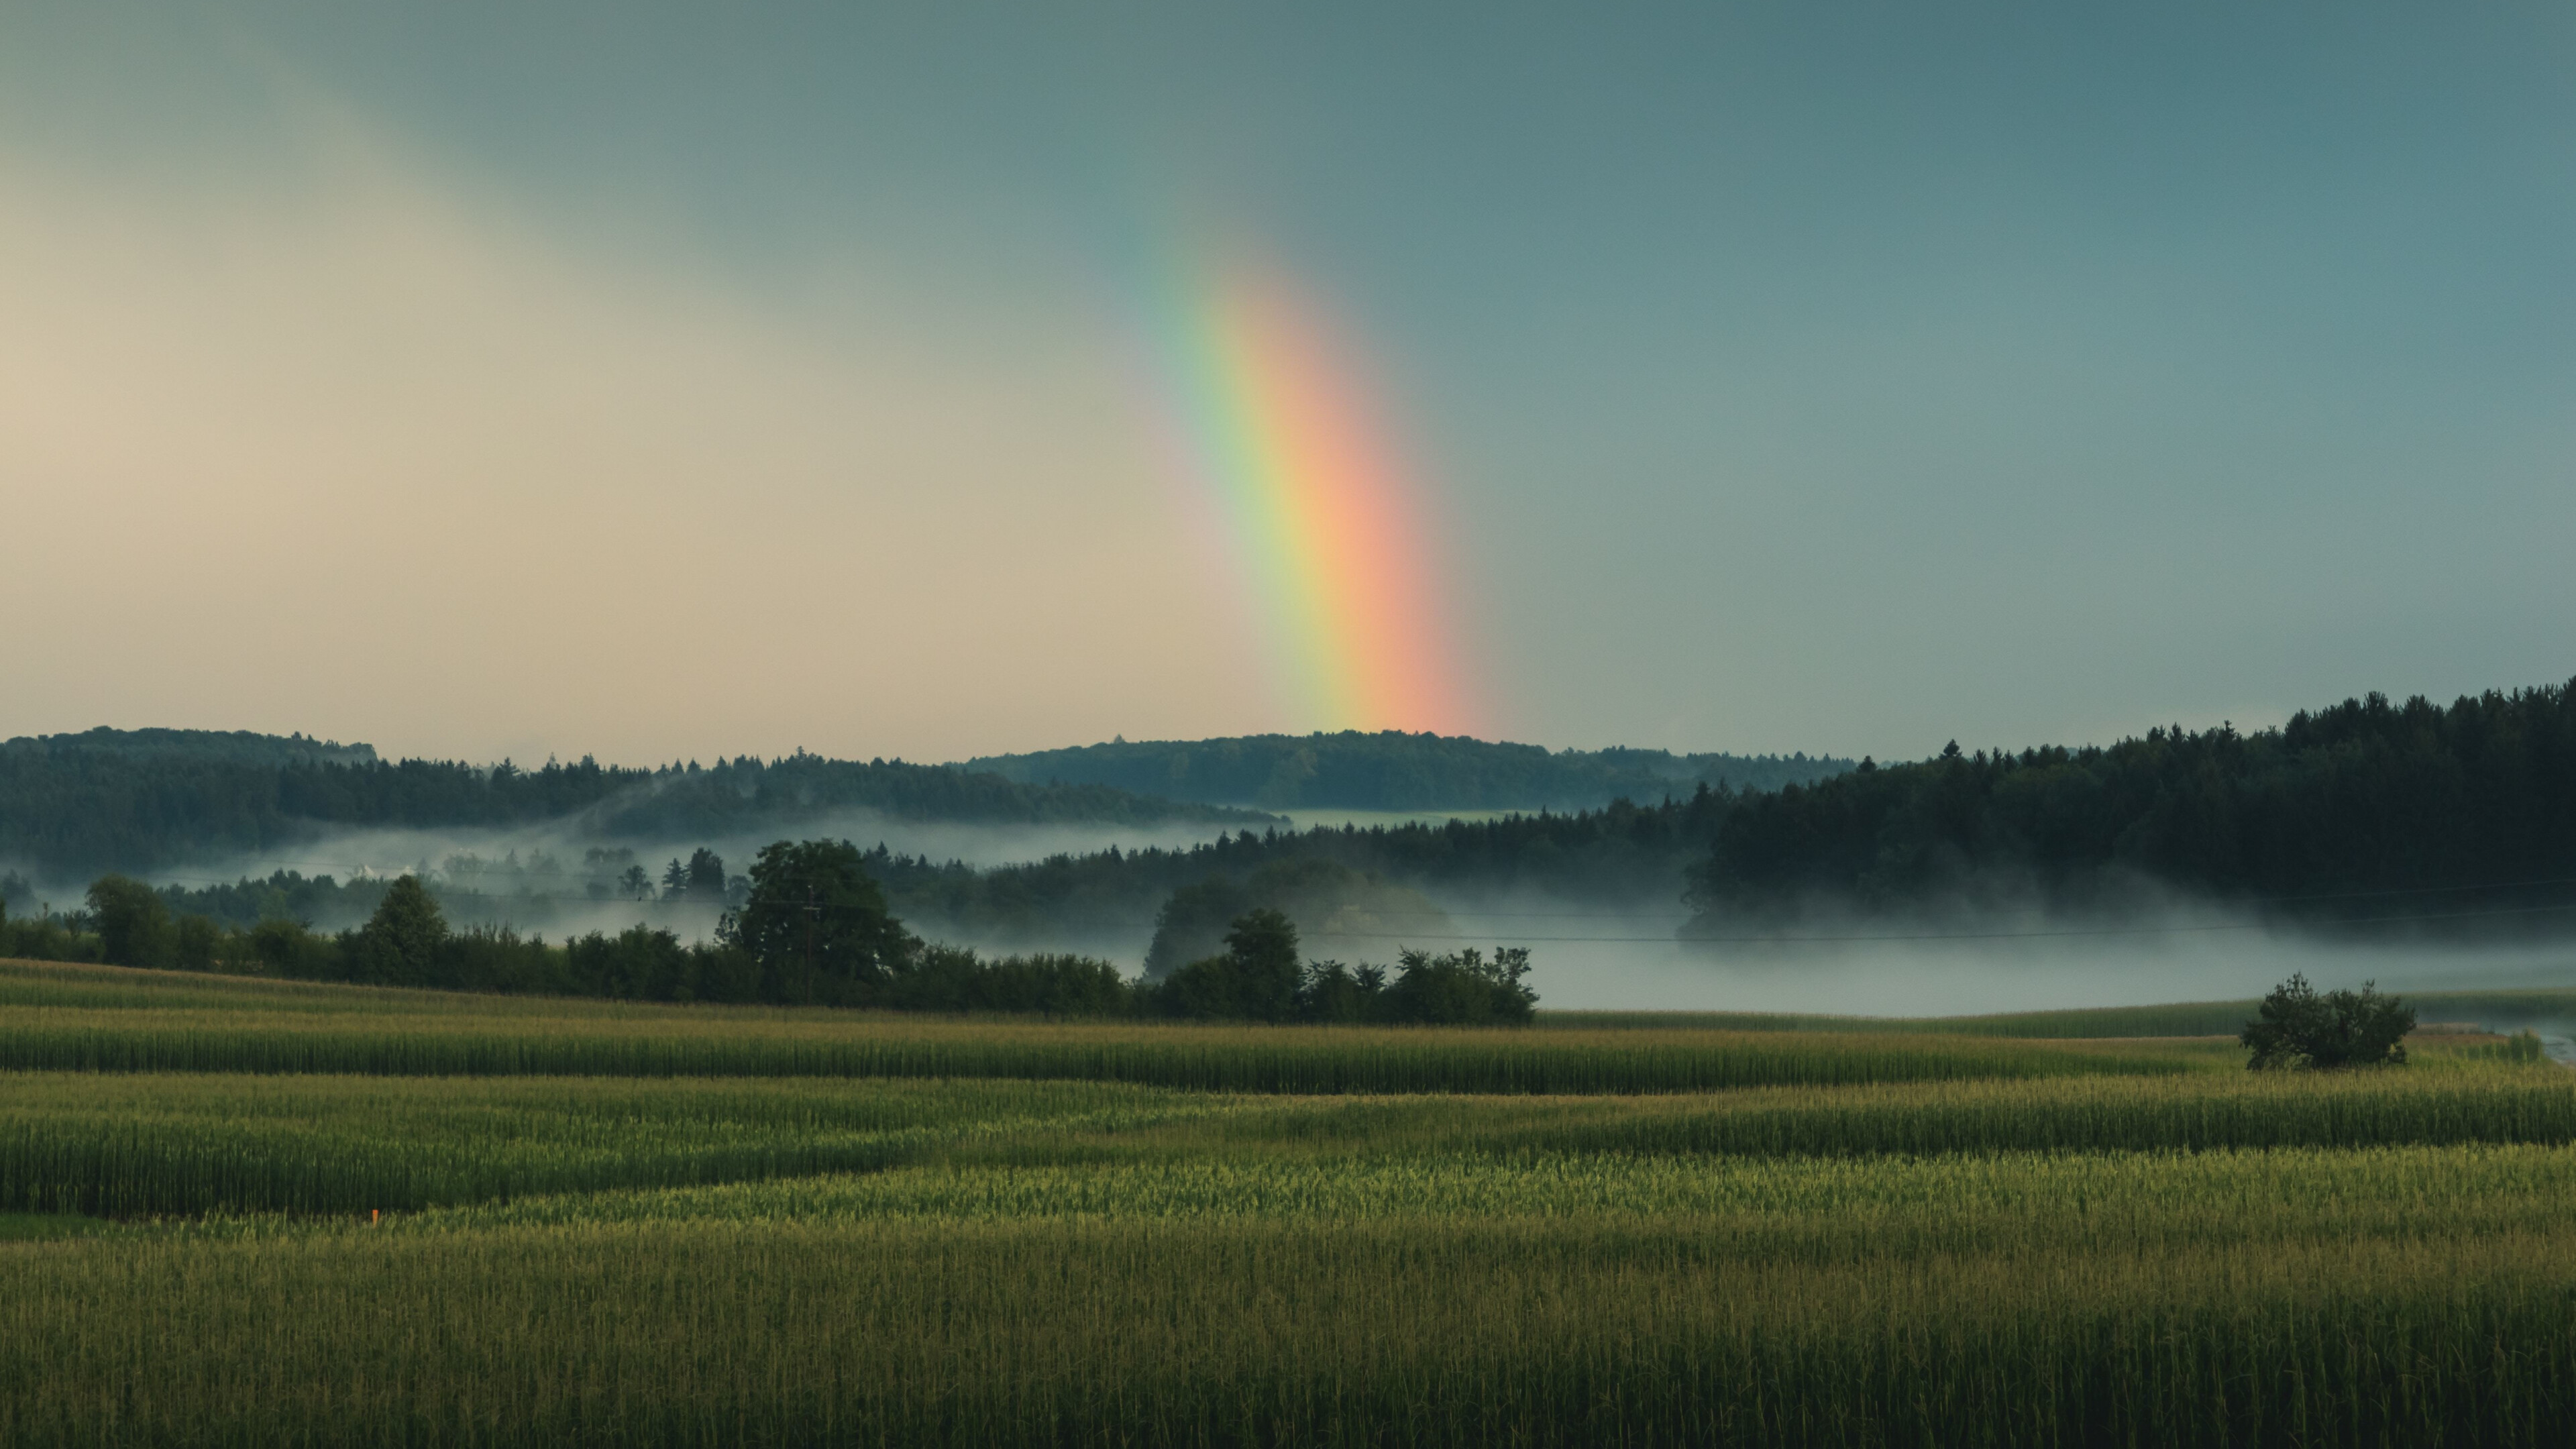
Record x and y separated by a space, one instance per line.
2346 812
1393 770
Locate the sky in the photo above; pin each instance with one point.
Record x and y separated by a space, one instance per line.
658 382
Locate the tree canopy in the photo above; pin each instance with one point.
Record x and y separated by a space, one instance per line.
2299 1027
134 800
1397 770
817 925
2366 796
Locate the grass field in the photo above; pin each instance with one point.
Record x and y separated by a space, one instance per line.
237 1212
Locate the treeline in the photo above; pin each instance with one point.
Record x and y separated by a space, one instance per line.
813 928
137 800
1329 879
1393 770
530 892
1260 976
2310 820
744 795
1623 855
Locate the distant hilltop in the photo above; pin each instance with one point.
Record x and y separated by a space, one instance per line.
1393 770
72 805
239 747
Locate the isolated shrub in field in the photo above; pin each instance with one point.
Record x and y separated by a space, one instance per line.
2296 1026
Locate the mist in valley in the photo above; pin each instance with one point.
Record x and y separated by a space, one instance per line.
1961 977
560 880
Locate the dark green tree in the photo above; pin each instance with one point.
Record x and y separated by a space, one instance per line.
706 877
134 927
400 944
198 939
287 947
1334 992
818 925
2299 1027
1255 980
1192 923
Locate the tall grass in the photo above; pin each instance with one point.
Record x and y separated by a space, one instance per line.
1267 1333
142 1145
694 1226
137 1146
1821 1210
1216 1058
2497 1010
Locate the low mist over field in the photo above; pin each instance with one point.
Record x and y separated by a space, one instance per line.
2408 842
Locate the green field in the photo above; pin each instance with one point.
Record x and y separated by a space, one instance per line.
239 1212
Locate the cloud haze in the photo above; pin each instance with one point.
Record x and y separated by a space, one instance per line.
477 381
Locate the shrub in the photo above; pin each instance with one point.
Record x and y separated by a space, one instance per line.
1462 988
950 978
2297 1027
288 948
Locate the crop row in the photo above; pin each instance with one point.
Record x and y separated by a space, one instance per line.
140 1146
132 1146
1220 1058
1817 1210
1403 1332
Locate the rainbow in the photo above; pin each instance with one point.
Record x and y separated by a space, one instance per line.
1329 531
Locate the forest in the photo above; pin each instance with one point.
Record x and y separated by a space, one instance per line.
2355 811
2359 810
1394 770
138 800
1622 856
808 926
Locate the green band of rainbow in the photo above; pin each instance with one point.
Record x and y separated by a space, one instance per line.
1328 526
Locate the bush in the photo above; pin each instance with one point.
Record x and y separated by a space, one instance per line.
1259 979
1462 989
2296 1027
288 948
950 978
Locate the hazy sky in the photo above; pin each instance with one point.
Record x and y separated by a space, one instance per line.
664 381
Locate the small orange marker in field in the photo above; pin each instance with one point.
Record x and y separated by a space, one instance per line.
373 1214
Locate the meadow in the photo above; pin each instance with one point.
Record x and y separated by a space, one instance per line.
243 1212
